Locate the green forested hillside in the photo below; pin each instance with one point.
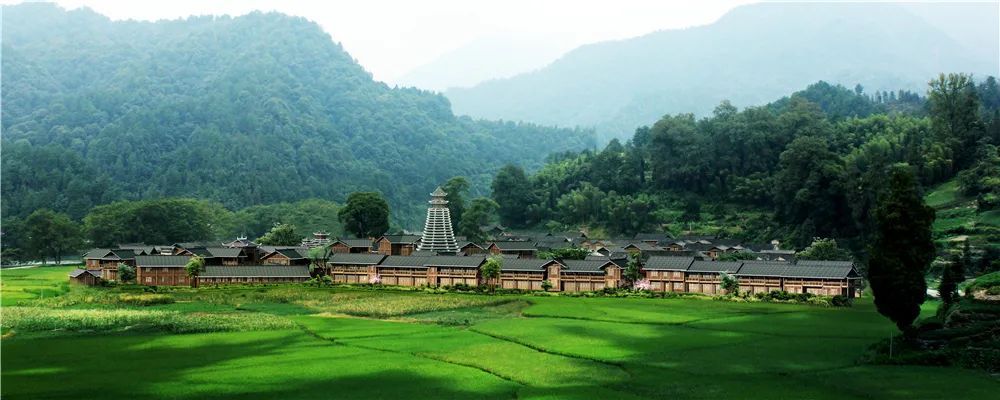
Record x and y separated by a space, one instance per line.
809 165
257 109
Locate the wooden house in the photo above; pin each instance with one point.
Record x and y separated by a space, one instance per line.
397 245
453 270
667 273
286 256
403 271
252 274
353 267
640 247
351 246
471 249
824 278
762 276
529 273
705 276
521 249
107 260
89 277
162 270
251 250
588 275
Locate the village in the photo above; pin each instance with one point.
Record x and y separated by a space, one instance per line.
438 258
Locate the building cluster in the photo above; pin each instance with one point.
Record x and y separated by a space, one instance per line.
439 258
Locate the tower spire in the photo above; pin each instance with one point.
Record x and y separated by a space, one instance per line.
438 234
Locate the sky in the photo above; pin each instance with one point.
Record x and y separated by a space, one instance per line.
391 38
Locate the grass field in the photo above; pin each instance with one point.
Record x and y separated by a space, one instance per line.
345 343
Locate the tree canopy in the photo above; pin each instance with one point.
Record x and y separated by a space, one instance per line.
366 214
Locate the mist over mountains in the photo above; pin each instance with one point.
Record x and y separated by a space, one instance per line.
752 55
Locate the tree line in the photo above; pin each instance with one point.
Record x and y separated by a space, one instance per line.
815 161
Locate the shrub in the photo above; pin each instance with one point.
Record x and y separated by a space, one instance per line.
546 285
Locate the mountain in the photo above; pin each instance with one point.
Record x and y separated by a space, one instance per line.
752 54
256 109
477 61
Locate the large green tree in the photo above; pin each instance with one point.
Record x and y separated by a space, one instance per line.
456 188
513 193
366 214
481 211
49 234
902 250
281 235
954 110
824 249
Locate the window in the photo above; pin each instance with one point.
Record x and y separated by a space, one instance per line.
149 279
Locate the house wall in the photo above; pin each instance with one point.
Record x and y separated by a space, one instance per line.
276 259
248 280
581 282
448 276
353 273
161 276
85 279
523 280
403 276
666 281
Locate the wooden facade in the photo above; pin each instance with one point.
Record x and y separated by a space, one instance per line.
397 245
351 246
353 267
87 277
528 274
252 274
516 249
286 256
162 276
588 275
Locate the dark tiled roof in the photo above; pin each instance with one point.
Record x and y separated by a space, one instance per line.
291 253
255 271
79 272
356 242
227 252
515 246
824 263
642 246
423 253
763 268
715 266
402 239
668 263
455 261
467 244
355 258
161 261
404 261
586 265
822 269
96 253
526 264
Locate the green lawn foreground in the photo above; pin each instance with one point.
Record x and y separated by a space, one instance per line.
464 346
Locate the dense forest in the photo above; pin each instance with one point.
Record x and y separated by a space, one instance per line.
809 165
246 111
753 54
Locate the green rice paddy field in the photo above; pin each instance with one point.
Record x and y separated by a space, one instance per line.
296 342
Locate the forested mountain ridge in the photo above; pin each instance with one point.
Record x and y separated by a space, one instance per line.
256 109
752 55
813 164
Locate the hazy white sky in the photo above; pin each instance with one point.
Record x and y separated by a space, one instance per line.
390 38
